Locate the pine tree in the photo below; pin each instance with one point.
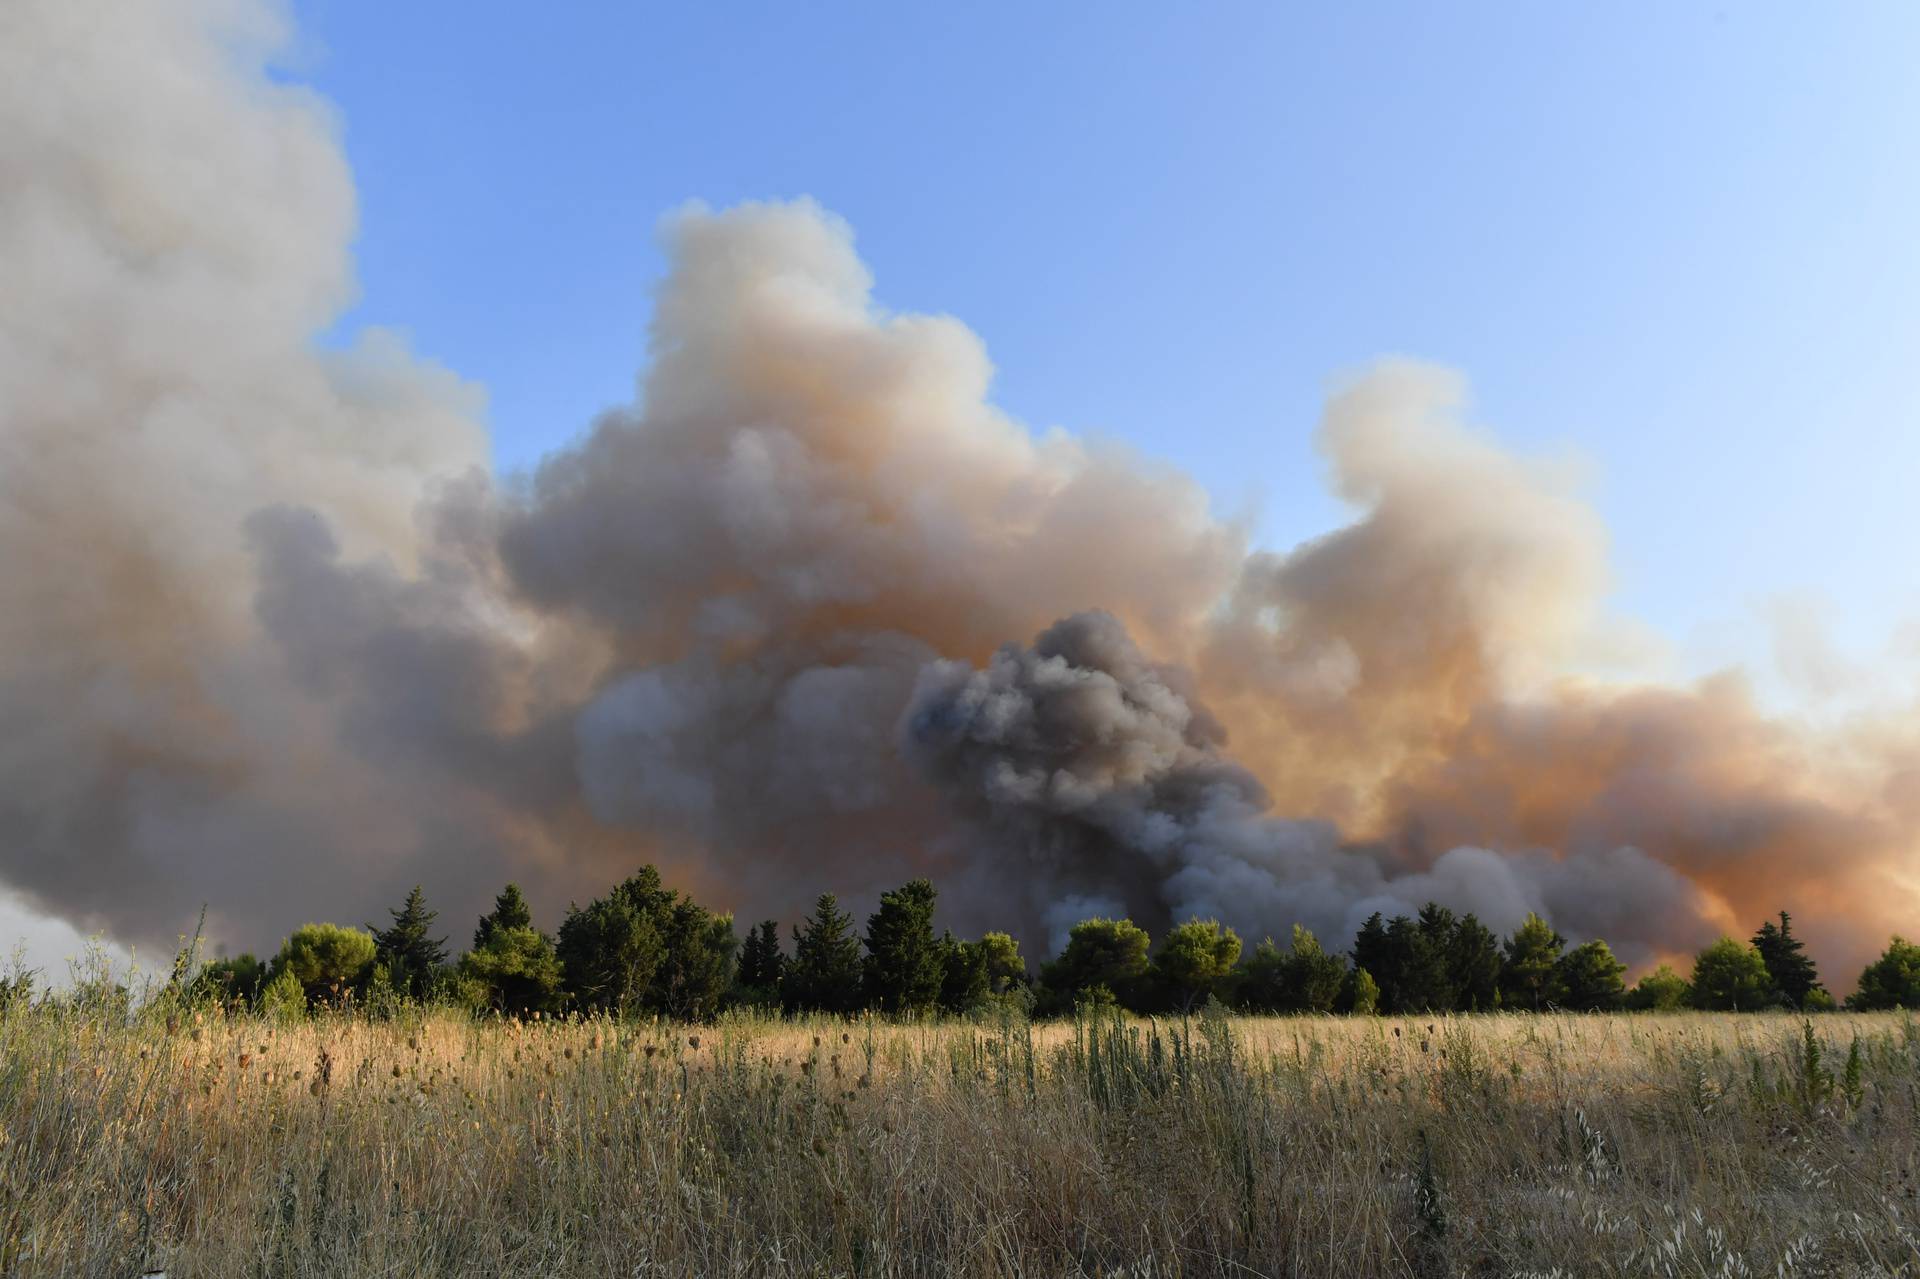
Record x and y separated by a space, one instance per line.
824 975
1589 978
412 958
1195 961
330 963
1473 966
1005 968
1370 946
509 911
1361 994
762 962
1529 975
694 974
612 948
1263 979
645 948
1408 960
1729 977
966 978
515 971
1891 981
1661 990
904 968
1104 961
1789 967
1313 977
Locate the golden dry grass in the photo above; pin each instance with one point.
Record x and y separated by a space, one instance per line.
433 1145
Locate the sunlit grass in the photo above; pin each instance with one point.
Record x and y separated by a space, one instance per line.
432 1144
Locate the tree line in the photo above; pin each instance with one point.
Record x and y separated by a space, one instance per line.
645 949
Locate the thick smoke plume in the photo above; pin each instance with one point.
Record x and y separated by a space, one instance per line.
1096 781
272 637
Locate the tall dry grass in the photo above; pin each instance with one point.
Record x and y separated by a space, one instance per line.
433 1145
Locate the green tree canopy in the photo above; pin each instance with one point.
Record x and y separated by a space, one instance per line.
1790 969
611 948
510 910
412 957
824 975
1730 975
761 964
1194 962
328 960
1361 994
965 982
645 948
1531 967
1891 981
1473 964
515 971
1661 990
1589 978
1262 984
233 983
1107 955
1302 979
1005 968
905 967
1415 975
693 976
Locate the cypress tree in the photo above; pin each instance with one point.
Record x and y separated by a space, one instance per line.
761 960
1473 965
904 968
966 974
1408 960
1789 967
1370 950
412 958
824 975
509 911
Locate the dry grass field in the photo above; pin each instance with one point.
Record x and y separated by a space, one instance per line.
432 1145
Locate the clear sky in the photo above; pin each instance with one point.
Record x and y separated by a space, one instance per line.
1677 239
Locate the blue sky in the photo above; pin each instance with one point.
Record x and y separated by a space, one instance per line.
1677 239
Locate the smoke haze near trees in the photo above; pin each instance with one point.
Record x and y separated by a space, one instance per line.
812 610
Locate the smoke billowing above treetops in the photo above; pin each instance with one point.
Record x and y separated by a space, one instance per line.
812 611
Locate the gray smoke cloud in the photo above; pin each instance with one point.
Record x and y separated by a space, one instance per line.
274 638
1093 780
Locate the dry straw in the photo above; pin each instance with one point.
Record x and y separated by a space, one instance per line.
435 1145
